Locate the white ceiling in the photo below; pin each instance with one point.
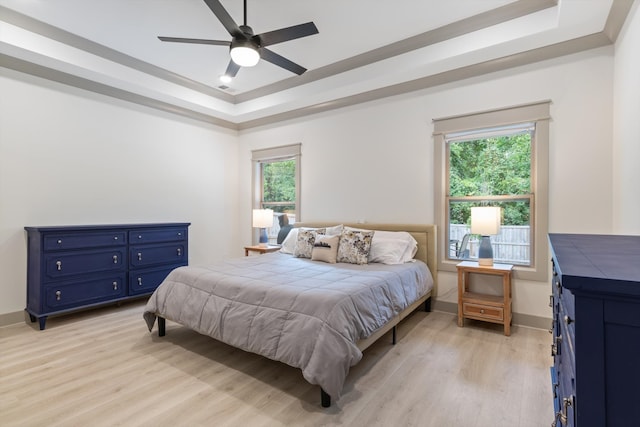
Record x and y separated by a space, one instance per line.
365 49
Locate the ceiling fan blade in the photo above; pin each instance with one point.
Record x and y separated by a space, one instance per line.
286 34
281 61
224 18
196 41
232 69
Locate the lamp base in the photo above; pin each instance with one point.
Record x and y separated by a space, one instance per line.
485 252
485 262
264 239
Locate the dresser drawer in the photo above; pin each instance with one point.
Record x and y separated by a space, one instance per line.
149 255
67 264
71 294
483 311
146 281
58 242
177 234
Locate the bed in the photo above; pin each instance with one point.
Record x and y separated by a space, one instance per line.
312 315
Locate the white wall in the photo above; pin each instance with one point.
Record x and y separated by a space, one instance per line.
72 157
626 135
375 161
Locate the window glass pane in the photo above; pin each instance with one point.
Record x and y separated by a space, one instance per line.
279 184
279 194
490 166
512 245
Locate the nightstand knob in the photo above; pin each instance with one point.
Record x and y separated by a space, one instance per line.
179 252
58 295
115 286
139 256
59 265
59 241
482 311
115 259
139 281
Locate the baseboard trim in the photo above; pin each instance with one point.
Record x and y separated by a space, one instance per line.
519 319
7 319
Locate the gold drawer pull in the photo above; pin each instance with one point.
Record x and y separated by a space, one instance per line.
482 311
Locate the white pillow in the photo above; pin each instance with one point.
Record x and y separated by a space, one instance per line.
391 247
289 243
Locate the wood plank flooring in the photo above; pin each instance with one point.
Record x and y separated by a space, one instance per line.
103 368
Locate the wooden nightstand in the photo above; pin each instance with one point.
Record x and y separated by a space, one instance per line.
261 249
489 308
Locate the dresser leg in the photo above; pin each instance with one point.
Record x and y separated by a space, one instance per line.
42 320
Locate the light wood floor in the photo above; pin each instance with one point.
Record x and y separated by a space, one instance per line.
103 368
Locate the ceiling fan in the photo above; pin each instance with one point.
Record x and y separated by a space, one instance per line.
247 48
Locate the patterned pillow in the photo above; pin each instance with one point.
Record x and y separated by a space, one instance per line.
325 249
355 246
305 241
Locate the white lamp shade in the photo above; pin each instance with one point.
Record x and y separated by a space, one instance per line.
485 220
262 218
245 56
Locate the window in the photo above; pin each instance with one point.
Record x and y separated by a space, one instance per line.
276 183
495 158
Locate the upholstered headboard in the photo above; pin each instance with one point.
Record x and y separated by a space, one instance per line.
425 235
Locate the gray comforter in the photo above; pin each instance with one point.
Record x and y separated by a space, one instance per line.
304 313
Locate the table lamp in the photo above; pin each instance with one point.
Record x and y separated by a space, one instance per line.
262 219
485 221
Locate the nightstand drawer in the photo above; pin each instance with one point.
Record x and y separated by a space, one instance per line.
483 311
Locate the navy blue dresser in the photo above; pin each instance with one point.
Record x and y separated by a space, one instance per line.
75 267
596 330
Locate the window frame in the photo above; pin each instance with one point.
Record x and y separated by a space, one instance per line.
537 113
270 155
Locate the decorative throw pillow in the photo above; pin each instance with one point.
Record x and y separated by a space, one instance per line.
325 249
354 246
305 242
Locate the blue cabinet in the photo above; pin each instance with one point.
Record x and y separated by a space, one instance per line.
596 329
76 267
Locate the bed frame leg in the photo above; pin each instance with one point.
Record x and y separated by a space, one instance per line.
393 335
162 326
427 305
325 399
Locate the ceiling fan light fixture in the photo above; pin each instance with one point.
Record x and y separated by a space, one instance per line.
244 53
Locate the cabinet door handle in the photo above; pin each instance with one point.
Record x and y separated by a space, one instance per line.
179 251
59 265
139 256
115 286
550 300
58 295
568 320
115 259
139 281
